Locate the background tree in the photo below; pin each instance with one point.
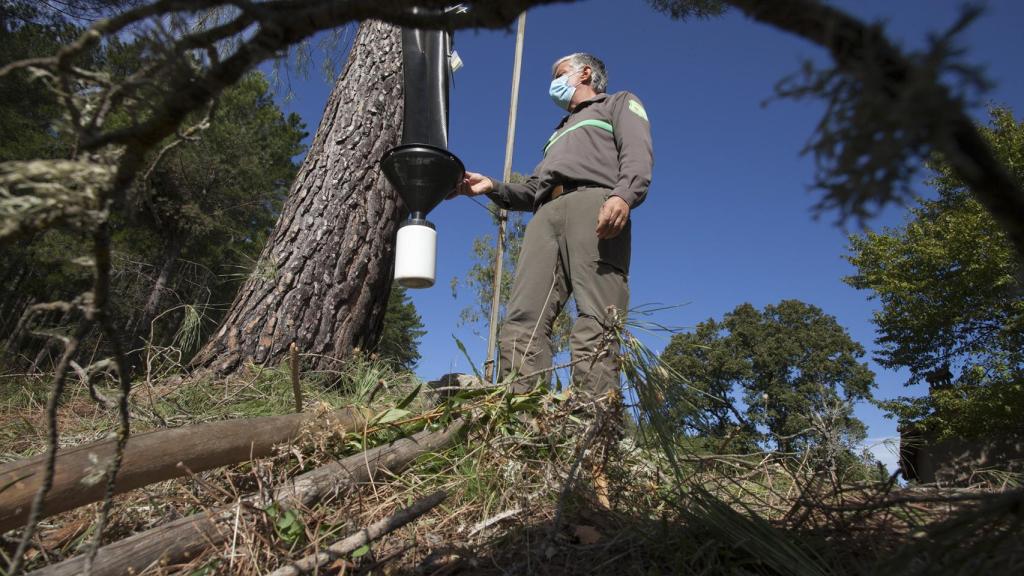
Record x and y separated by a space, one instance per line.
79 12
203 211
29 112
703 404
28 109
324 277
797 369
399 341
195 226
214 200
952 300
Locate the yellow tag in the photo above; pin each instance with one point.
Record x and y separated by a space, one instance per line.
638 109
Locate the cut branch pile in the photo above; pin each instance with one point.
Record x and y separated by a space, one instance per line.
151 457
183 539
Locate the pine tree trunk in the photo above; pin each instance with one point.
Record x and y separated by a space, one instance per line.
141 329
323 278
11 306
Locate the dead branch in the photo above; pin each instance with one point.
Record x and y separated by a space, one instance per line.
487 523
296 388
153 457
49 462
185 538
87 377
362 537
946 128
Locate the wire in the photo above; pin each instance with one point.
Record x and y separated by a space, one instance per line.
488 208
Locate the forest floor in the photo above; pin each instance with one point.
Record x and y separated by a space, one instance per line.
541 484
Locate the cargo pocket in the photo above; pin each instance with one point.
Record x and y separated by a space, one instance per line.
614 252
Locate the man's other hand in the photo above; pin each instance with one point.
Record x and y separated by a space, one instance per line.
473 184
613 217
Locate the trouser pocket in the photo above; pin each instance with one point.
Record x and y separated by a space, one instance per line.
582 209
615 252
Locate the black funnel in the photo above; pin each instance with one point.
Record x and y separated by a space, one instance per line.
422 170
423 175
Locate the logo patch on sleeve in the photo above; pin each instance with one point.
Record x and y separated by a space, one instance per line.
638 109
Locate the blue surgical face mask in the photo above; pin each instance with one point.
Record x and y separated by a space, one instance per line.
561 92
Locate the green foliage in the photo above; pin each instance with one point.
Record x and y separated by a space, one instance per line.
193 227
700 359
287 524
361 551
403 328
222 192
797 369
31 116
28 109
368 378
952 300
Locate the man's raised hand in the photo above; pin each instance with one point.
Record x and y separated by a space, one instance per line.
473 184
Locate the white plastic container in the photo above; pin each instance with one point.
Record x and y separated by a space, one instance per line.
416 254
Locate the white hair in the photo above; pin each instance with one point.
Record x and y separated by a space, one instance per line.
579 60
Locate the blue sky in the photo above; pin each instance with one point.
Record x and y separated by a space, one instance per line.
728 218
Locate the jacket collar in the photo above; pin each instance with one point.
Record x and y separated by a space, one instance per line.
582 105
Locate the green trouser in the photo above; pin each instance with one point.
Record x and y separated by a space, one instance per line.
562 256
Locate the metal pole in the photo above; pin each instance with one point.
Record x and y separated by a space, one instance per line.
499 255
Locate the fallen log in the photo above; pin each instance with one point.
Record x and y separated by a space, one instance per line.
183 539
151 457
362 537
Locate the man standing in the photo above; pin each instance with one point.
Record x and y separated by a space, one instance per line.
596 168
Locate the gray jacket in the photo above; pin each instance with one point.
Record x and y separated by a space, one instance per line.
605 142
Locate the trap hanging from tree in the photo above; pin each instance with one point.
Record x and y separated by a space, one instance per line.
421 169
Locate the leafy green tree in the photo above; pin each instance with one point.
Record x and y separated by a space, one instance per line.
195 224
211 201
30 116
403 328
952 300
28 109
796 369
480 277
803 372
703 404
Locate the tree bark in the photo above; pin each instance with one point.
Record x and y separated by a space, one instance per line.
141 329
323 279
12 305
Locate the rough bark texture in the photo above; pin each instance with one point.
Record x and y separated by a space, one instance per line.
324 276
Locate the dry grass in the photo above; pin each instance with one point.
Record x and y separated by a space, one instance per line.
527 489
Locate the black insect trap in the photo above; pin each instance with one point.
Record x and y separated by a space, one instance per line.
421 169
